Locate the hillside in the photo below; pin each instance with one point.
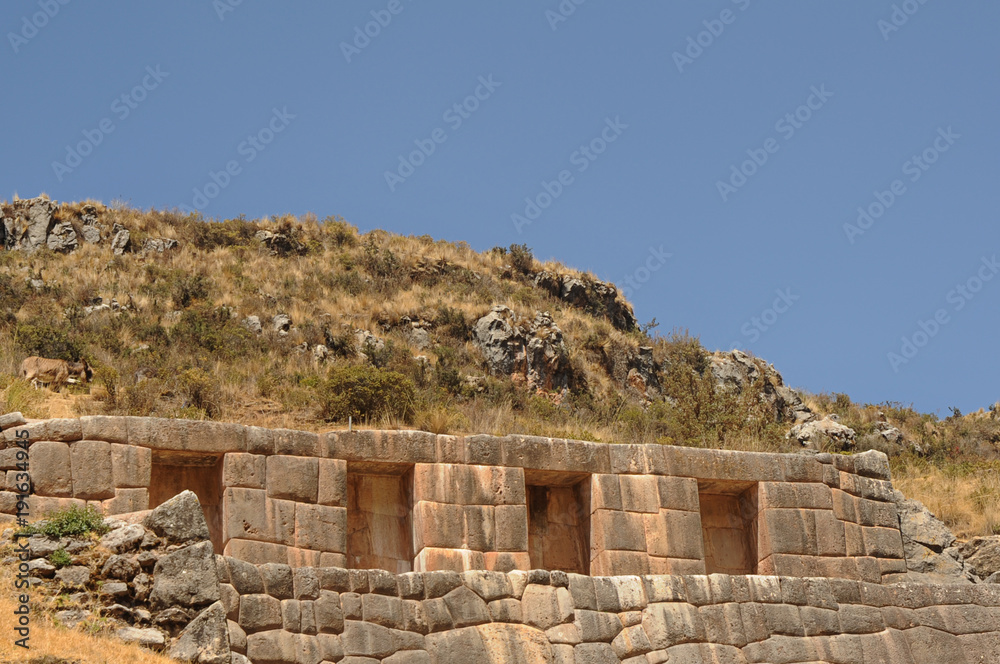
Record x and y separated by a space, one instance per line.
305 322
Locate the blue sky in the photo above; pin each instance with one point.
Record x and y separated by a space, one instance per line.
715 153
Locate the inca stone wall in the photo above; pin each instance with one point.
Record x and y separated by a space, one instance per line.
307 615
413 501
411 548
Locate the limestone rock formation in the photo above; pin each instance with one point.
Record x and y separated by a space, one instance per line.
735 372
928 545
825 434
982 555
597 297
27 223
534 353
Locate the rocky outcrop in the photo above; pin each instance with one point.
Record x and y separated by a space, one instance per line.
533 353
826 435
32 223
929 546
735 372
152 579
982 555
594 296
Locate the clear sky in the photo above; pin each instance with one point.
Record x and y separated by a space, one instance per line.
714 153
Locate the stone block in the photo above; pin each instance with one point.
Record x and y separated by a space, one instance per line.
293 478
328 612
131 466
103 427
382 610
466 607
278 580
274 646
882 542
488 585
678 493
630 459
876 513
670 624
506 561
430 559
844 506
672 534
506 610
480 532
511 527
776 495
90 462
64 430
455 484
251 514
640 493
291 615
617 531
256 552
186 435
305 582
295 443
605 493
438 525
615 563
51 470
367 639
544 607
830 534
244 470
321 528
787 531
126 500
332 489
259 440
801 468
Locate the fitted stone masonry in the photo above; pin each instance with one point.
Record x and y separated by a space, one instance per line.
404 547
412 501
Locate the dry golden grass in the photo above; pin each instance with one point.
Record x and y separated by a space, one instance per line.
49 639
966 497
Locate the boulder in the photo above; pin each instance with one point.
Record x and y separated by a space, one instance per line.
158 245
121 240
120 567
597 297
982 555
186 577
149 637
928 545
500 340
826 434
735 371
126 537
62 237
281 323
179 520
252 323
74 576
205 640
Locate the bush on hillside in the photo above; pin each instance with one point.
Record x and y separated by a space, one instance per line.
365 393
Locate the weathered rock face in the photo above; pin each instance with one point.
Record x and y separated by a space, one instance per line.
179 520
735 372
594 296
534 353
928 545
982 555
27 223
824 434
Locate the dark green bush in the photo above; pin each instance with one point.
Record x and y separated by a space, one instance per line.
521 258
363 393
71 521
44 338
213 330
60 558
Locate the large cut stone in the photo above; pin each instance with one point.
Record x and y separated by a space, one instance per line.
186 577
205 640
179 520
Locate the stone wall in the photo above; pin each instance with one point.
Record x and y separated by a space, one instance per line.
281 615
409 500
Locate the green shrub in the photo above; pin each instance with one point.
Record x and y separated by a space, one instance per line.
41 337
521 258
60 558
364 393
228 233
73 520
214 330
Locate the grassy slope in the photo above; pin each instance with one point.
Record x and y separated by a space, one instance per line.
182 337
